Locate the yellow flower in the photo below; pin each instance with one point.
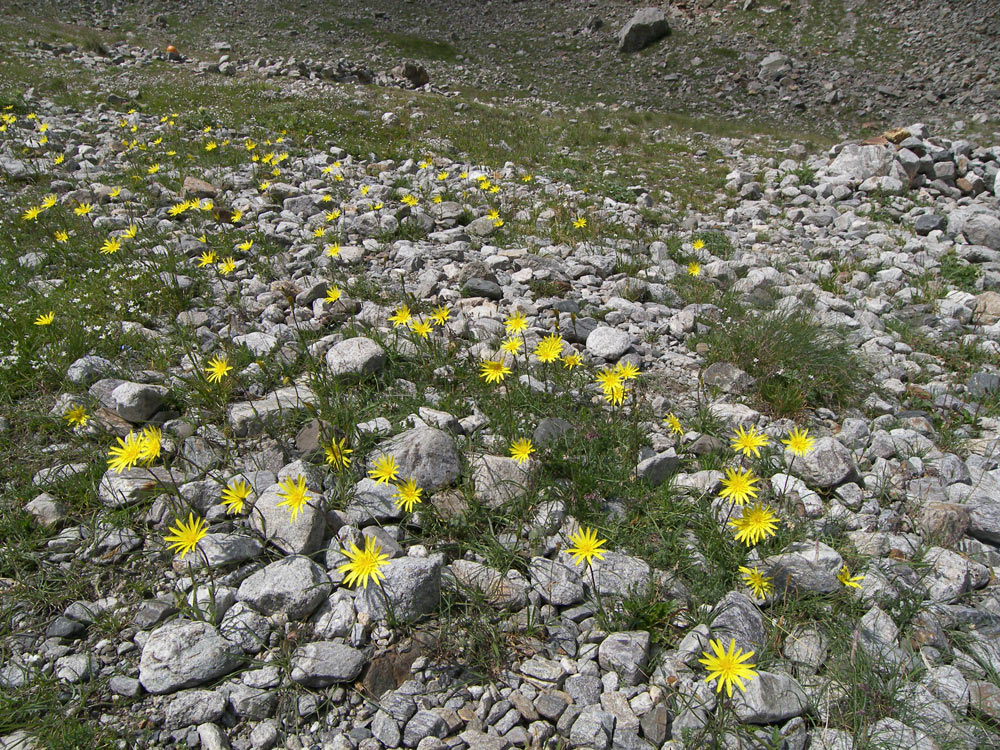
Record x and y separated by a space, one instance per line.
264 186
698 244
384 470
608 379
218 368
332 294
442 176
407 495
295 495
728 667
527 178
750 441
332 215
227 266
440 315
32 213
153 169
494 370
185 536
244 246
757 523
738 485
422 328
378 206
178 208
46 319
760 584
616 394
627 371
61 236
126 454
237 215
586 546
48 201
549 348
579 223
337 454
799 443
131 232
211 146
207 258
694 269
521 450
365 189
59 159
83 209
493 214
512 345
319 231
845 577
410 200
149 441
363 565
76 416
111 246
516 323
333 250
234 494
674 423
401 317
572 360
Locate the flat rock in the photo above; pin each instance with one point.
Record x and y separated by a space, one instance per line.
769 698
355 356
508 591
194 707
646 26
559 584
293 585
412 584
499 479
625 653
829 464
807 565
274 523
428 455
608 343
137 402
248 418
183 654
736 617
323 663
118 490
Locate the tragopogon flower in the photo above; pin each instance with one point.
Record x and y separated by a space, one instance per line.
586 546
184 537
363 565
728 667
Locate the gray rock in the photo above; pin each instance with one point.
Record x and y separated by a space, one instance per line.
558 583
893 734
428 455
424 724
479 287
616 575
323 663
807 565
275 524
265 735
125 686
356 356
46 509
829 464
372 501
245 628
137 402
118 490
194 707
608 343
594 727
545 673
228 549
655 724
737 618
499 479
977 224
211 737
413 586
657 469
88 369
984 519
584 689
508 591
769 698
806 648
259 344
625 653
728 378
152 612
75 668
860 162
646 26
293 585
773 67
248 418
183 654
549 430
830 739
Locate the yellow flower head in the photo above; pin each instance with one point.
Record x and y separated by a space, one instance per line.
616 394
728 667
580 223
674 423
757 523
493 370
440 315
799 443
332 250
61 236
738 485
760 584
521 450
32 213
218 368
694 269
233 496
184 537
319 231
627 371
516 323
334 214
363 565
295 495
206 259
337 454
131 232
126 454
83 209
407 495
608 379
46 319
749 441
572 360
153 169
149 441
332 294
512 345
227 266
111 246
586 546
422 328
76 416
698 244
384 470
549 348
845 577
410 200
401 317
244 246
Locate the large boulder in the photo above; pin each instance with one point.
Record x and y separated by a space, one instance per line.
183 654
859 162
646 26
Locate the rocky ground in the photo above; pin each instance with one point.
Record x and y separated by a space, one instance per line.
853 292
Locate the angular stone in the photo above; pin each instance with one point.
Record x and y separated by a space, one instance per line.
737 618
372 501
88 369
625 653
984 519
594 728
769 698
183 654
499 479
117 490
137 402
657 469
430 456
227 549
508 591
323 663
356 356
423 724
608 343
248 418
245 628
728 378
544 672
829 464
275 524
860 162
293 585
617 574
46 509
75 668
558 583
807 565
413 586
584 689
194 707
646 26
